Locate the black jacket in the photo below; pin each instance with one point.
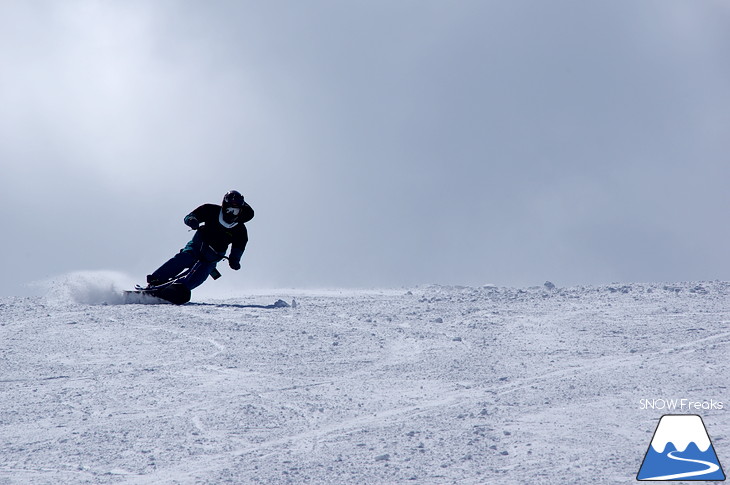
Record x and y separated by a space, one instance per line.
218 236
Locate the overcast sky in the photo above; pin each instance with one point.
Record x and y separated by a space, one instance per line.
381 143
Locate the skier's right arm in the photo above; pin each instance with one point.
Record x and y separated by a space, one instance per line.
192 221
202 215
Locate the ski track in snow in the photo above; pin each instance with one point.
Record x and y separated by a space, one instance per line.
711 468
425 385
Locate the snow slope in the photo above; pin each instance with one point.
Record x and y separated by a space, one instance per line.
428 385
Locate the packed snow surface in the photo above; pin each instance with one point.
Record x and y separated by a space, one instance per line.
427 385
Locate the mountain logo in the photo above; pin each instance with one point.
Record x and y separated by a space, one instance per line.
681 450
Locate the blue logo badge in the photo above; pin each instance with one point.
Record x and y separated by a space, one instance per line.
681 450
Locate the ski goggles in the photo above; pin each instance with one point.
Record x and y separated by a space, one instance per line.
233 210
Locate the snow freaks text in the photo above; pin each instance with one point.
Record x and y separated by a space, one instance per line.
680 404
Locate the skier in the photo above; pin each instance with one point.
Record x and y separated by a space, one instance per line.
216 227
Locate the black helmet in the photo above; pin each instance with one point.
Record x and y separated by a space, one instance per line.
232 206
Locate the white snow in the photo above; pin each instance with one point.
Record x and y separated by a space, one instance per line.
426 385
680 430
90 287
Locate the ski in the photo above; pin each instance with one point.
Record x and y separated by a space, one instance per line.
176 293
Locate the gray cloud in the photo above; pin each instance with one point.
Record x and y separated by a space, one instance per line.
382 143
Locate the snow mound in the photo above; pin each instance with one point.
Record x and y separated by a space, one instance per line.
88 287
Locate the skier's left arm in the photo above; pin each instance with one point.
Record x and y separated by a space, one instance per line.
237 249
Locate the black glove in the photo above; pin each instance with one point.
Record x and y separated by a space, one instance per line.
191 221
234 264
